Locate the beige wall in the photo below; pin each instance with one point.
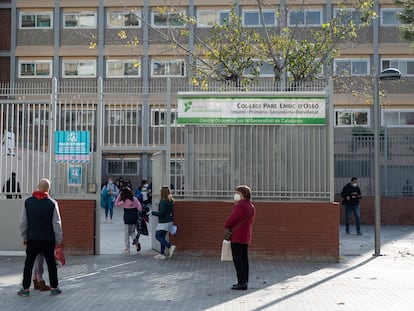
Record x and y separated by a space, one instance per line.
10 211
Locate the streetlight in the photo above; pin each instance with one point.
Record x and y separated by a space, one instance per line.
386 74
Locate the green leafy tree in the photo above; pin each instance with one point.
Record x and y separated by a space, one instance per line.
407 19
229 53
233 53
305 58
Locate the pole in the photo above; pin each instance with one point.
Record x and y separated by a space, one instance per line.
377 126
377 194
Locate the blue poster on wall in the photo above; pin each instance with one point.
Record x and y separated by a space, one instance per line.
72 146
75 176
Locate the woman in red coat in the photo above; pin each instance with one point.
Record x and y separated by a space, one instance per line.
240 222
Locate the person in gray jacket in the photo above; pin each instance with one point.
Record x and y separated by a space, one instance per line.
41 231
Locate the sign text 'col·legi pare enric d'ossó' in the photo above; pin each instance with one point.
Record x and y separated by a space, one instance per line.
246 109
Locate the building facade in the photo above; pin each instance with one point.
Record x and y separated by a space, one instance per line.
45 40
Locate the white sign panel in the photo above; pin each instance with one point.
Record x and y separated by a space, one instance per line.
251 109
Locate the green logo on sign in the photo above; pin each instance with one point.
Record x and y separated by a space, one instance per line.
187 106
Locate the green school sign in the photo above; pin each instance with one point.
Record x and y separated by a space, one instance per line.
249 108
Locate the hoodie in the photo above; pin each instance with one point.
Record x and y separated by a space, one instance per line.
132 209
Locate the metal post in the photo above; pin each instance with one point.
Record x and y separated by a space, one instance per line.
331 146
377 125
377 194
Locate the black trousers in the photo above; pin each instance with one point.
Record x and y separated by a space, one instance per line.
34 247
241 262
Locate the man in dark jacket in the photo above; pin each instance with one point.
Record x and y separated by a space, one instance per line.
351 195
41 231
12 186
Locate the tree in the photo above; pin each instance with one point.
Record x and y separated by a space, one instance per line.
406 18
233 53
304 58
229 53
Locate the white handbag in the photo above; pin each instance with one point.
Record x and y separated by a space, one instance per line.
226 254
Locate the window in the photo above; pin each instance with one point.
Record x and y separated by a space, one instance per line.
124 19
389 17
123 68
159 117
177 174
406 66
122 167
354 167
209 18
124 117
35 69
305 18
36 20
171 68
79 69
252 18
398 118
172 19
352 117
351 67
177 167
38 117
75 118
348 15
265 69
79 20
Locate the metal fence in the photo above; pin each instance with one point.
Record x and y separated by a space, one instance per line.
124 116
354 157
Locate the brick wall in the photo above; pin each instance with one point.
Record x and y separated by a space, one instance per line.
295 231
5 29
394 211
78 222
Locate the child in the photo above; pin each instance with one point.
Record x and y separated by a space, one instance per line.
132 210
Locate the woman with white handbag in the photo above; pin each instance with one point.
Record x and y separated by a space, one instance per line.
240 224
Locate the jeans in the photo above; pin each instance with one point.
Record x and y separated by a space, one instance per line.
129 232
109 207
160 236
349 208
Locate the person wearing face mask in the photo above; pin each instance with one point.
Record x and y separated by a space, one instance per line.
351 195
240 222
109 193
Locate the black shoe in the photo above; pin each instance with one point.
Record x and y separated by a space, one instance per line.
347 231
239 287
359 233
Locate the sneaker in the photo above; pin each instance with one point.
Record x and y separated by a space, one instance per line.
23 292
359 233
55 291
160 256
172 249
126 251
347 231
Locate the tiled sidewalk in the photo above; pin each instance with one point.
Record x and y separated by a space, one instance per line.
139 282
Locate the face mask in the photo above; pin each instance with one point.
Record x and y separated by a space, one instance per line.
354 184
109 181
236 197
